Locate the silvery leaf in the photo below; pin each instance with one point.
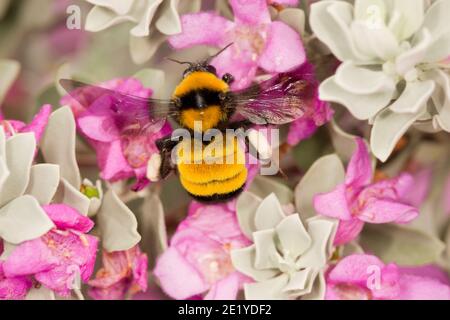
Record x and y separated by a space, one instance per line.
44 181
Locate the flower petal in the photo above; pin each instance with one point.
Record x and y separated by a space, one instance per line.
384 211
333 204
422 288
19 150
99 19
44 180
250 12
246 207
354 269
269 213
172 270
293 236
244 261
362 106
58 145
411 17
359 170
195 33
225 289
347 231
23 219
39 122
414 97
267 290
265 250
65 217
284 49
114 218
387 130
312 183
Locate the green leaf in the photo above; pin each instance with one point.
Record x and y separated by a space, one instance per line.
400 244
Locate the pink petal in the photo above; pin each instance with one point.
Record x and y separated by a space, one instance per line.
354 269
333 204
348 231
29 258
250 12
237 63
300 130
384 211
225 289
177 277
112 162
420 187
284 49
39 122
65 217
359 170
205 28
285 2
422 288
428 271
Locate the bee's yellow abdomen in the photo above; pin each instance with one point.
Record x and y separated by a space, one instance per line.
217 172
209 117
200 80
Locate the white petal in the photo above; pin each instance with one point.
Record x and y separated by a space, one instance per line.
244 261
269 213
264 186
318 289
414 97
9 69
411 58
41 293
169 22
387 129
58 145
246 206
293 237
322 233
330 22
439 50
265 250
313 183
362 107
267 290
71 196
99 19
348 77
118 6
23 219
44 180
142 29
20 150
378 43
298 281
4 172
410 17
115 218
437 18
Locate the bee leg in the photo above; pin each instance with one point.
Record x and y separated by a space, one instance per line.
153 167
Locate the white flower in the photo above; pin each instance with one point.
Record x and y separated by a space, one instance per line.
287 259
152 20
395 68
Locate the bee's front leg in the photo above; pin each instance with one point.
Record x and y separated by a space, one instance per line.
160 164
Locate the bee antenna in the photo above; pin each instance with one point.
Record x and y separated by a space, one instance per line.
219 52
180 62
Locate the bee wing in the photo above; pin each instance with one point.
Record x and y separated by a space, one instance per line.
132 115
278 100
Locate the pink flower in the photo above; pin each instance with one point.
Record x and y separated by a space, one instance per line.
37 125
357 200
317 112
123 273
364 277
14 288
257 41
198 259
118 156
58 257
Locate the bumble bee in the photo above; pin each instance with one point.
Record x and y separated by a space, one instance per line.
202 96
